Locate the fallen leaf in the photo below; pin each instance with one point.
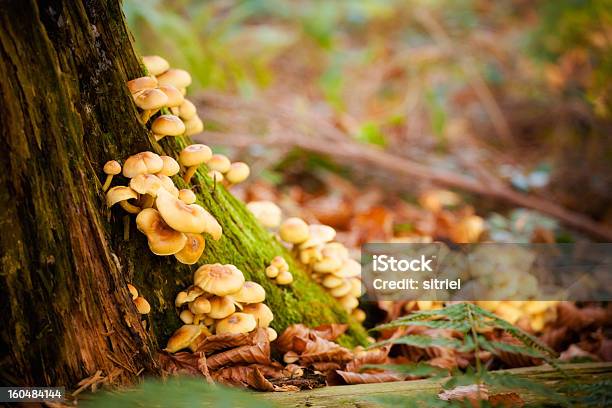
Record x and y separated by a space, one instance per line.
344 377
212 344
325 367
324 350
330 331
284 342
374 356
259 353
506 400
471 393
184 363
245 376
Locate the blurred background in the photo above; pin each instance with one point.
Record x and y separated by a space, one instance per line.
403 120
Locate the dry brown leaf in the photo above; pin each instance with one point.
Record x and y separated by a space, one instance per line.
284 342
184 363
325 367
344 377
506 400
375 224
470 393
319 350
575 351
330 331
446 362
243 376
259 353
374 356
218 342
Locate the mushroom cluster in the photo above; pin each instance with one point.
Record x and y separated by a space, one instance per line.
220 301
222 170
278 270
171 220
142 306
327 260
164 90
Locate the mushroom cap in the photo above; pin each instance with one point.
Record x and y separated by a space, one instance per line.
183 337
133 290
219 162
220 280
349 302
142 305
175 97
192 250
168 185
168 125
151 99
179 78
221 307
280 263
318 234
146 184
328 264
217 176
189 295
284 278
141 163
186 316
187 196
272 334
237 173
356 289
155 64
272 271
335 250
311 255
194 155
170 167
141 84
236 323
266 212
187 110
119 193
162 239
332 281
294 230
350 268
186 217
193 126
262 314
342 290
251 292
200 305
112 167
359 315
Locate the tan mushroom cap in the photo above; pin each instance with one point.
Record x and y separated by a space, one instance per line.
236 323
142 305
311 255
141 84
251 292
194 155
179 78
118 194
162 239
146 184
193 126
141 163
272 271
219 279
168 185
155 64
187 196
183 337
319 234
279 262
284 278
189 295
359 315
217 176
272 334
221 307
170 167
349 302
237 173
175 97
186 316
187 110
151 99
220 163
350 268
200 305
193 249
335 250
186 217
356 289
342 290
294 230
262 314
168 125
266 212
112 167
332 281
133 291
328 264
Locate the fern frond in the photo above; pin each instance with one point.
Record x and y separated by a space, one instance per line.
421 341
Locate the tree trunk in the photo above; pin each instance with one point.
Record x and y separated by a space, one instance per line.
65 111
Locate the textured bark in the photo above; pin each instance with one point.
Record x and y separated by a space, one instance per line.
65 111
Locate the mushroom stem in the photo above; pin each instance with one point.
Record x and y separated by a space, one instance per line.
146 115
126 228
189 173
132 209
107 182
148 201
158 137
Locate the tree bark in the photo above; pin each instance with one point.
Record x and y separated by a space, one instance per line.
65 111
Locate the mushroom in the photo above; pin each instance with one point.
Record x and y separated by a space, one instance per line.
221 307
291 357
192 156
311 255
170 167
187 110
133 291
284 278
168 185
236 323
162 239
155 64
148 184
186 316
272 334
187 196
349 302
266 212
359 315
150 101
356 289
332 281
251 292
186 217
318 234
183 337
142 163
175 97
219 279
294 230
167 125
200 305
262 314
350 268
141 84
142 305
121 195
111 168
342 290
193 126
220 163
187 296
178 78
237 173
192 250
272 271
280 263
217 176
